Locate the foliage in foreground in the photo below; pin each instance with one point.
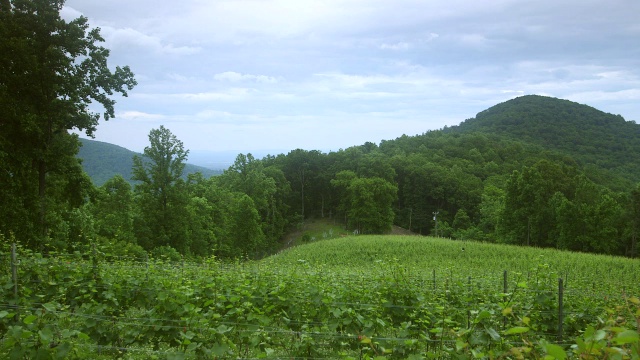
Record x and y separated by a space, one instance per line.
80 306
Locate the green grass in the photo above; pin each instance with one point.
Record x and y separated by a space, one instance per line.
462 259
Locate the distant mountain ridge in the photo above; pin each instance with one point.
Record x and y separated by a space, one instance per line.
101 161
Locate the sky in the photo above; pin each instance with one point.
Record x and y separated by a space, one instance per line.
270 76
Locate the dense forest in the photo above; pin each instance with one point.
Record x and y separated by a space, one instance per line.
484 180
533 171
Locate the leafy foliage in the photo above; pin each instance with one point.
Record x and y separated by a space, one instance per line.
299 305
52 70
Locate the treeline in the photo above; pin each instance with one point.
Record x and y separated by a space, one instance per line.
473 186
463 186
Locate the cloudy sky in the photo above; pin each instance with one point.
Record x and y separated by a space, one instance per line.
275 75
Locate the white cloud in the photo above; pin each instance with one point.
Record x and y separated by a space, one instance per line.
335 73
131 39
237 77
139 115
397 46
233 94
69 13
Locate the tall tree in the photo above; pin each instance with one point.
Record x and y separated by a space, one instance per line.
51 71
161 194
367 202
528 214
112 207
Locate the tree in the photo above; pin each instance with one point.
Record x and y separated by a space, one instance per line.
528 213
267 187
160 194
51 71
592 221
245 232
368 202
112 209
491 208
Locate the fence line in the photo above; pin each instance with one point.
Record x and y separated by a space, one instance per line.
263 329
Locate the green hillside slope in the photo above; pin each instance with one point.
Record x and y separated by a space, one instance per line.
420 255
590 136
101 161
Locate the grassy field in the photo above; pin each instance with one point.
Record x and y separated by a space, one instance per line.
345 297
461 259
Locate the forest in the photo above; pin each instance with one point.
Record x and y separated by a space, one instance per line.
533 171
478 185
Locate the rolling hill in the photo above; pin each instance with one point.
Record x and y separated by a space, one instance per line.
593 138
101 161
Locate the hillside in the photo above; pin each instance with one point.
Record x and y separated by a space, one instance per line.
593 138
101 161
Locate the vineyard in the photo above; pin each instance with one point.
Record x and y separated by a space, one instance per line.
361 297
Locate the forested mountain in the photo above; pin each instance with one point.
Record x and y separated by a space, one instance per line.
533 171
101 161
595 139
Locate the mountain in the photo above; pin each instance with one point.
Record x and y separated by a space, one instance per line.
101 161
593 138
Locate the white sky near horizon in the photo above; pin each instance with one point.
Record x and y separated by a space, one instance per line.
276 75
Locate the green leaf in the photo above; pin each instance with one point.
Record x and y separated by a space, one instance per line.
46 335
517 330
192 347
484 314
493 333
62 350
626 337
599 335
556 351
29 319
3 314
219 349
49 307
222 329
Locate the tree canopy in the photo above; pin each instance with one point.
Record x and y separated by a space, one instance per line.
51 71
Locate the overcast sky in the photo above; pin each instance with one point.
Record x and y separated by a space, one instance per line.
276 75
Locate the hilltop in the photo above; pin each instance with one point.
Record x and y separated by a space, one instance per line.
101 161
593 138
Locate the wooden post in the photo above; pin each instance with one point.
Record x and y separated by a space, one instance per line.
504 282
14 271
434 279
469 311
95 261
560 308
504 288
14 278
146 261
